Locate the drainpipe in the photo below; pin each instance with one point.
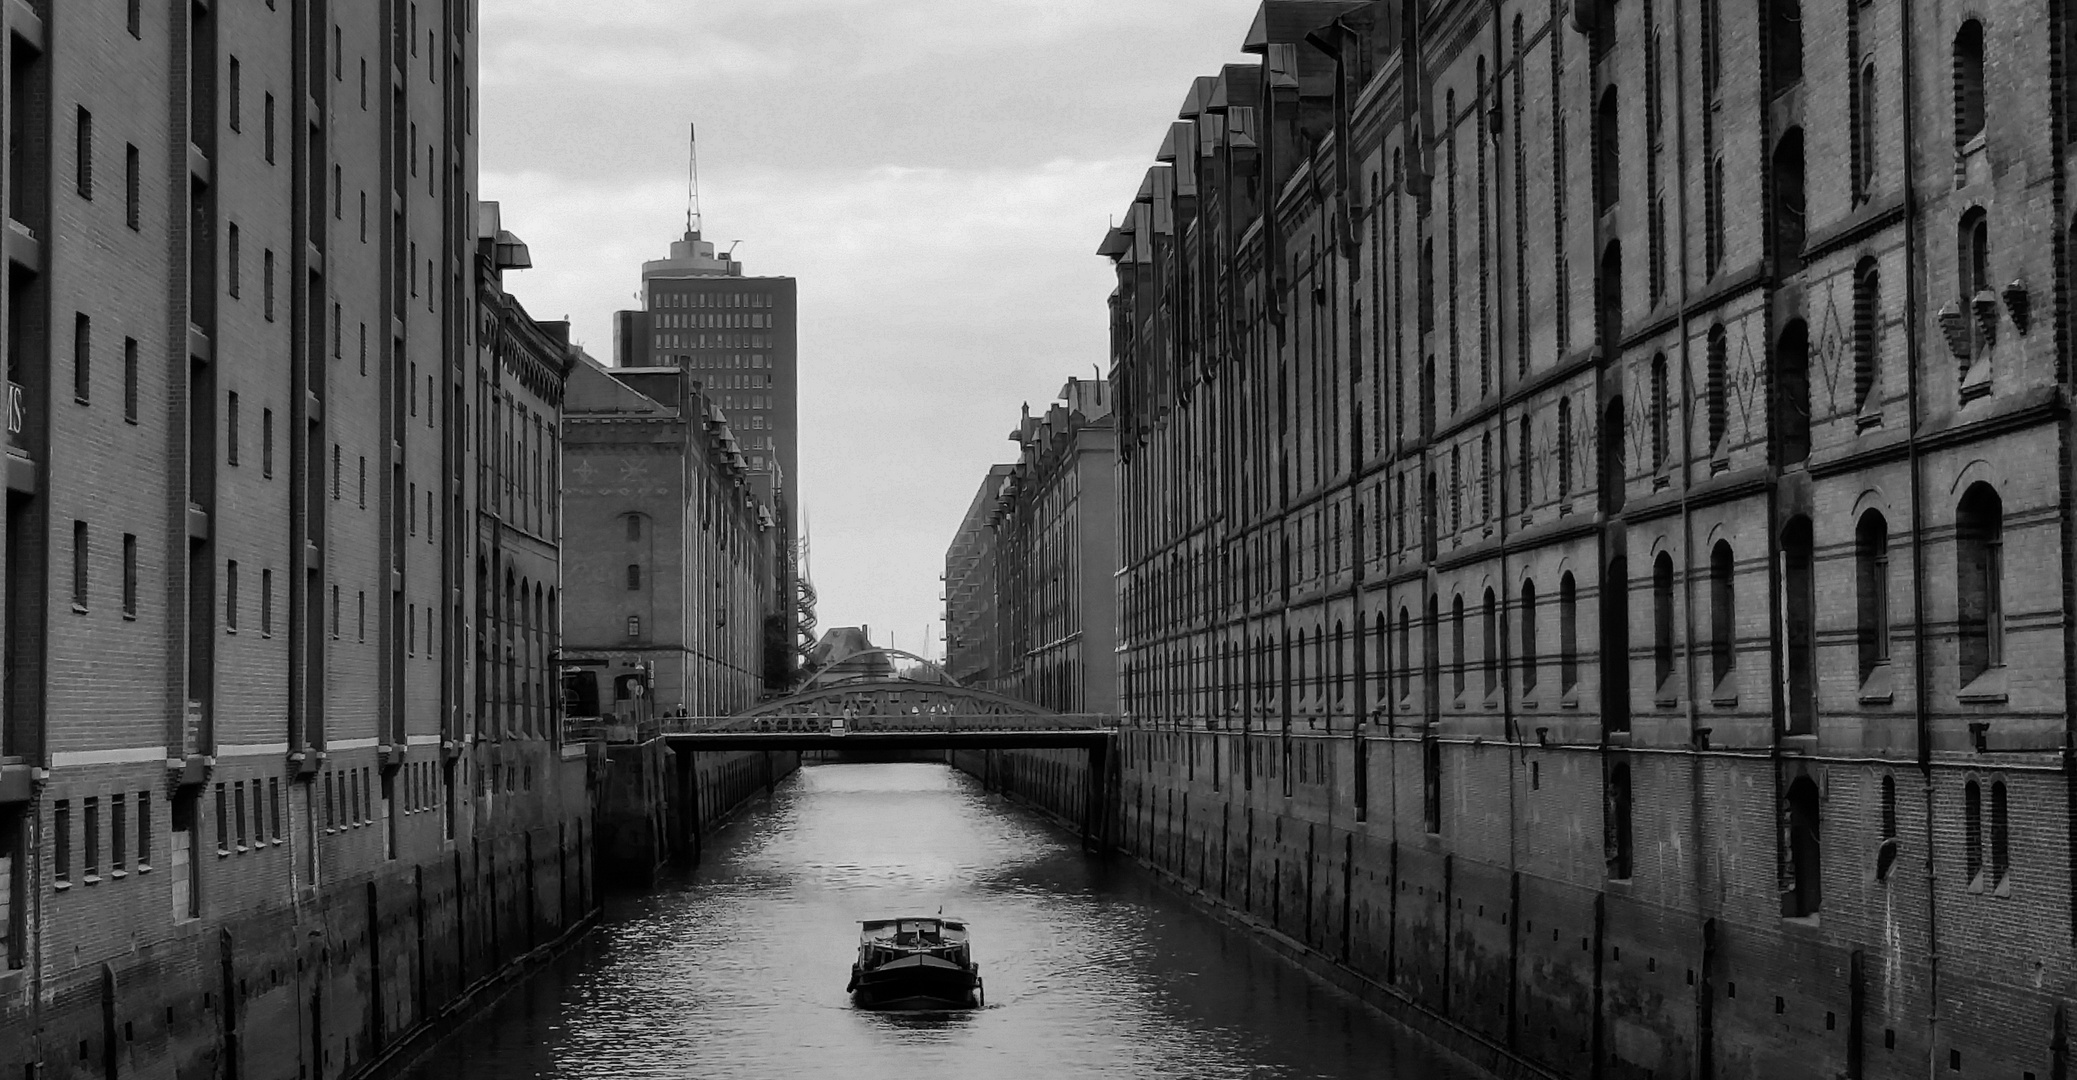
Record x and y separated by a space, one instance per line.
1697 811
1920 679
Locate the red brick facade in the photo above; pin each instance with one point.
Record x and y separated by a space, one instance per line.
253 817
1594 496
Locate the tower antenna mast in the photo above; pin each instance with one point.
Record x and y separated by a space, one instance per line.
692 181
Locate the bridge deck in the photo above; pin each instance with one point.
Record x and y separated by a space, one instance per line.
922 739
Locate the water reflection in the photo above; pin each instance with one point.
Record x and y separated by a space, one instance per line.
737 968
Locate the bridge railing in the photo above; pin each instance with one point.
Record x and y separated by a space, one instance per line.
824 723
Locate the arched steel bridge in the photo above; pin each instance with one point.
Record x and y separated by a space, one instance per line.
894 714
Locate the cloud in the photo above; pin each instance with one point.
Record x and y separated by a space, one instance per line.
936 174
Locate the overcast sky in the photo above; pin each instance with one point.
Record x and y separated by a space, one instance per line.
937 173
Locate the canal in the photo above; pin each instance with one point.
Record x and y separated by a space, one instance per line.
736 968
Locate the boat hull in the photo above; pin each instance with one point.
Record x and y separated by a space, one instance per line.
916 982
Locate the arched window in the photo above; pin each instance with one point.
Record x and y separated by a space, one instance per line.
1864 131
2000 834
1792 392
1609 309
1428 395
1568 633
1608 154
1789 224
1490 652
1723 619
634 527
1867 326
1805 894
1431 652
1972 244
1972 832
1406 648
1968 83
1341 661
1719 385
1871 592
1799 602
634 577
1662 407
1662 620
1564 447
1457 645
1979 580
1785 38
1382 656
1621 848
1528 635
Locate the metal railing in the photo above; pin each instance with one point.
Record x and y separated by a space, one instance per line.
921 721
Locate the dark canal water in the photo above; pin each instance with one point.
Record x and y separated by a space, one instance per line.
736 969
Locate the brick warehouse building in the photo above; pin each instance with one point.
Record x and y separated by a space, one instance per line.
673 561
738 335
251 783
1056 547
970 615
1595 487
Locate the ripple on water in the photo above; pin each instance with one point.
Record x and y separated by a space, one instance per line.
736 969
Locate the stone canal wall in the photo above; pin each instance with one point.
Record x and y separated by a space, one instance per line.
656 803
1525 973
401 935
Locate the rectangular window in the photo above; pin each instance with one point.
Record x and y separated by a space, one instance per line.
259 817
411 630
268 119
338 477
335 613
274 809
82 357
231 261
267 442
130 379
133 187
237 87
83 178
143 831
136 17
363 491
364 102
414 389
412 513
130 575
266 603
267 284
231 428
79 566
118 834
61 841
361 623
231 596
90 866
238 812
223 816
364 348
364 219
